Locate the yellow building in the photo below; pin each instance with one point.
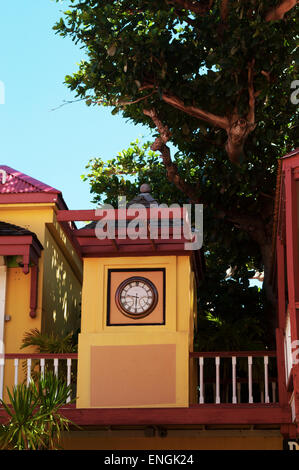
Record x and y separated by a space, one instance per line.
40 266
140 384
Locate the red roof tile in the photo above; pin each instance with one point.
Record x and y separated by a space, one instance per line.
17 182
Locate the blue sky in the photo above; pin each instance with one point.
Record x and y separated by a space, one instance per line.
53 146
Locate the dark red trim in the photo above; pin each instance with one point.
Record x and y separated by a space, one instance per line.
40 356
281 370
28 198
118 214
222 414
33 290
233 354
29 248
281 288
225 414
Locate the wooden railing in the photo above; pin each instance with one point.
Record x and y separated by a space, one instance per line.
235 377
26 366
219 377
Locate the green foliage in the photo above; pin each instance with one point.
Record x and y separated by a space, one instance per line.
35 422
232 314
148 43
48 342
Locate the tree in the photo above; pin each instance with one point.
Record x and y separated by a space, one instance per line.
212 77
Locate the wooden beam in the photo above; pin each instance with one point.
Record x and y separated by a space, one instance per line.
221 414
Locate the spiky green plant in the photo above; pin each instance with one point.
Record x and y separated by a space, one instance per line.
35 421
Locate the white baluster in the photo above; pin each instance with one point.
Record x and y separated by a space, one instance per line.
28 371
69 366
16 364
250 397
56 367
217 362
42 367
274 392
234 364
266 361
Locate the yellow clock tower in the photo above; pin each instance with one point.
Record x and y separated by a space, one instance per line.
138 310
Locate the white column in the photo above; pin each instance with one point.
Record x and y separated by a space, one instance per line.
16 364
28 371
250 397
56 367
266 360
234 363
217 363
201 382
69 368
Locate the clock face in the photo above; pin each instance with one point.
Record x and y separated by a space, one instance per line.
136 297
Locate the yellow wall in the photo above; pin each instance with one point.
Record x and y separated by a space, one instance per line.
36 218
61 291
95 440
95 332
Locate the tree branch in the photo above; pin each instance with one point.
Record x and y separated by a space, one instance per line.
126 103
251 102
278 12
171 168
224 10
217 121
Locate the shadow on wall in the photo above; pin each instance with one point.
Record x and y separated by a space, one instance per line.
61 292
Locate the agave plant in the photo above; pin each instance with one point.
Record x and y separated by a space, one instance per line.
35 421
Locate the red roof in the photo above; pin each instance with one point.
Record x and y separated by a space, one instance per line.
17 182
16 187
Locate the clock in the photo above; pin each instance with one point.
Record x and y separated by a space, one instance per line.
136 297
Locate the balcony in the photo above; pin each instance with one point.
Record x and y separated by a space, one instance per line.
226 388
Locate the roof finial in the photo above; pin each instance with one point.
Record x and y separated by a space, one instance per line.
145 188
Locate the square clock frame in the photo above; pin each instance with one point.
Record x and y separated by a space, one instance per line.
136 297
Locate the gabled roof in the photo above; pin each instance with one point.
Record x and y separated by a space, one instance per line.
17 182
17 187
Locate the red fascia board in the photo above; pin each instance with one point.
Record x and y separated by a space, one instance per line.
210 414
221 414
28 198
12 250
16 240
119 214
